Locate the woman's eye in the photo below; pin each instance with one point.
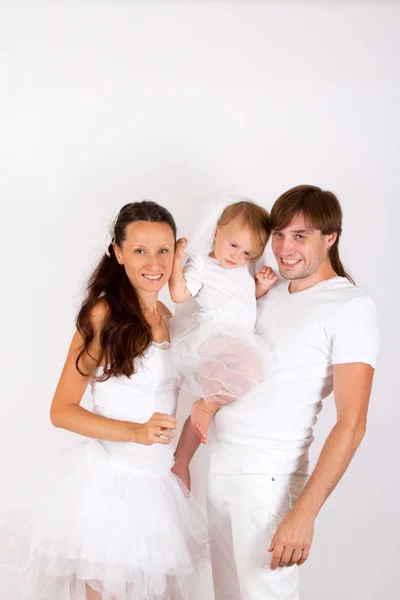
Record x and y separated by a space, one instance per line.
277 234
164 251
139 251
300 237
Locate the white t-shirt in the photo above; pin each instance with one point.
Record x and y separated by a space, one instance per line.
224 294
270 430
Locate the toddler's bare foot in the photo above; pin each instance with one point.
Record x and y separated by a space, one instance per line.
183 474
201 413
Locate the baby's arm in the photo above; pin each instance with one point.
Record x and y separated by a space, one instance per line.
177 283
265 278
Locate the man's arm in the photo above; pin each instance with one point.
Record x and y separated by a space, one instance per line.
352 388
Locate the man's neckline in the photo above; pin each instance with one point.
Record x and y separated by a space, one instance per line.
312 287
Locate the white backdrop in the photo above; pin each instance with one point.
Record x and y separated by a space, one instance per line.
102 103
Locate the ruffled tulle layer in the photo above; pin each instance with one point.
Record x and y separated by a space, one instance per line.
217 360
108 532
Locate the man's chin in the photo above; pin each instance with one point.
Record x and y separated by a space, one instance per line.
290 275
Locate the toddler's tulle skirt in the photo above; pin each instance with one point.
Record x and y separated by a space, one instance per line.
216 360
107 531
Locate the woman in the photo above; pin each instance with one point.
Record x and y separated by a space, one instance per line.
118 526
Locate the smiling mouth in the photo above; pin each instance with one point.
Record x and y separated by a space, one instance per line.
153 278
290 262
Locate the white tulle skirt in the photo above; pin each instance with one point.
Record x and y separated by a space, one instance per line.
217 360
108 531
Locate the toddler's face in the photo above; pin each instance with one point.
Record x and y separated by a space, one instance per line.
234 245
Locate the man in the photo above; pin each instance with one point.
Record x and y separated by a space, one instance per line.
322 334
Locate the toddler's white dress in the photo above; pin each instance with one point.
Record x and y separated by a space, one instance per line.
215 348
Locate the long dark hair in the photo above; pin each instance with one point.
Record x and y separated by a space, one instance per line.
126 335
321 209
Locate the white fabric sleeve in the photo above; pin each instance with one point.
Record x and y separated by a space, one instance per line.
354 334
192 272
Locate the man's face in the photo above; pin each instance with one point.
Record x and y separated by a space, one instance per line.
301 252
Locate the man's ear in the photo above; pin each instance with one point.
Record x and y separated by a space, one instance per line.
331 239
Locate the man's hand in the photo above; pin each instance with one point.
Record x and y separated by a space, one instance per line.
265 278
292 540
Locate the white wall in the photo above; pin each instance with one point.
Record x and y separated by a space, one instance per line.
102 103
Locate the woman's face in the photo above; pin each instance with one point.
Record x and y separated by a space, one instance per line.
147 254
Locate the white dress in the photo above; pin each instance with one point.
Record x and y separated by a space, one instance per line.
215 348
118 520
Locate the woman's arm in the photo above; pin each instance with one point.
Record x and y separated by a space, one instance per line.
67 413
177 283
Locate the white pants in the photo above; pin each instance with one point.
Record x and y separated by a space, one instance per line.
244 511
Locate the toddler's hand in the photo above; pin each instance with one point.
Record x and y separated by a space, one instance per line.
180 248
266 277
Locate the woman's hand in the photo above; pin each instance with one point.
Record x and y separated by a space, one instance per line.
159 429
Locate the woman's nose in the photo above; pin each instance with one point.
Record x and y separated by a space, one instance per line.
153 263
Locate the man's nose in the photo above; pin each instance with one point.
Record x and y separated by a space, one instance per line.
285 246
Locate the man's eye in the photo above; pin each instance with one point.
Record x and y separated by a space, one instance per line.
300 237
277 234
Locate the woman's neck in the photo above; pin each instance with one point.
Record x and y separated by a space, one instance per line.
149 301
